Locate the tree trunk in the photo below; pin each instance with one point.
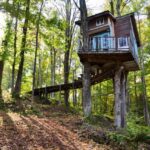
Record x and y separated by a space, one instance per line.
1 76
128 101
100 97
74 92
135 92
106 101
15 50
17 89
118 5
53 67
120 97
36 49
112 6
144 96
66 76
67 53
86 90
86 75
84 24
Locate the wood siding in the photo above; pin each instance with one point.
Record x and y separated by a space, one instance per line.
92 23
95 31
122 26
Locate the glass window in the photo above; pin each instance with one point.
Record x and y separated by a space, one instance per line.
123 42
100 22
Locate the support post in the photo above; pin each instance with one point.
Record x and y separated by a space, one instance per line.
120 97
86 90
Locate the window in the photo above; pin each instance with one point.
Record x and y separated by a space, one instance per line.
100 22
123 42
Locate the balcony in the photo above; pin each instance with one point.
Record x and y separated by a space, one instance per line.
118 46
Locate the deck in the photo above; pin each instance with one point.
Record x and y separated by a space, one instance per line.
111 49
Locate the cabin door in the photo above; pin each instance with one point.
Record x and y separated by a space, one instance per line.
100 41
105 42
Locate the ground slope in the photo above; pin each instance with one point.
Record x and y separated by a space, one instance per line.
49 132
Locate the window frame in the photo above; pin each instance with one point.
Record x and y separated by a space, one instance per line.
123 43
100 22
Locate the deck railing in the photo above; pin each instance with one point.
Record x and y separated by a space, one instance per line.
111 44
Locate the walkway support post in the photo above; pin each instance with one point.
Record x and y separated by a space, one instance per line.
120 80
86 90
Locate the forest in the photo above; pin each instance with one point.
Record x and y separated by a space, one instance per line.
46 99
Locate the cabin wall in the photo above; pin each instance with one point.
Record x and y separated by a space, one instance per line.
122 26
92 23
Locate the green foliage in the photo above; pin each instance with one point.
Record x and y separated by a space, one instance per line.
134 132
32 111
100 120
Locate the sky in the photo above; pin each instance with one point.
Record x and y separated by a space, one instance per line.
94 5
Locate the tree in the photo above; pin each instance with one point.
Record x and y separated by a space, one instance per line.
17 89
112 7
71 14
5 45
36 48
15 47
67 51
86 72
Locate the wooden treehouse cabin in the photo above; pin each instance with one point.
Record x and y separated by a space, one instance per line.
112 48
112 51
111 41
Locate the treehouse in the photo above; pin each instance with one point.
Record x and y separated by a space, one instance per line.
111 52
111 41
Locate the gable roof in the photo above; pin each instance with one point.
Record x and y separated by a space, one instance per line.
104 13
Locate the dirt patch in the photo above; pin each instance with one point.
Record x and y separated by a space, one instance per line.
19 132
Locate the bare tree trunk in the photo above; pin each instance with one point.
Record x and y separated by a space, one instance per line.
17 89
118 5
106 103
86 75
1 76
120 97
15 49
74 92
36 49
112 7
40 72
135 92
67 53
84 24
53 67
144 95
100 97
127 92
86 90
74 97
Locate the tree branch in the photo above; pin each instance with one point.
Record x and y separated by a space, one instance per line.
76 5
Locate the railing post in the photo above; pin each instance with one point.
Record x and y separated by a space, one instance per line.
116 43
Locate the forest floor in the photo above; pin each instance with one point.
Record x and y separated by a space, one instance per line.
53 129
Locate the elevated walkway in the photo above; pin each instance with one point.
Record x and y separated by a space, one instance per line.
75 85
